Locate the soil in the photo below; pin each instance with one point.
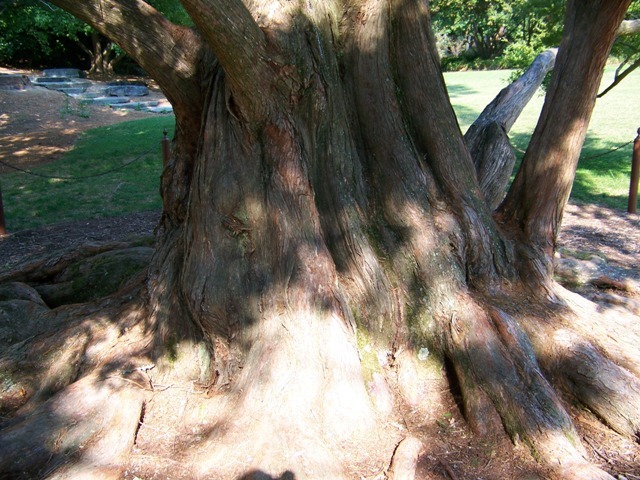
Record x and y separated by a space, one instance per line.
37 126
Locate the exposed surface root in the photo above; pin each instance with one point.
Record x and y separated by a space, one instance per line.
405 459
85 430
84 406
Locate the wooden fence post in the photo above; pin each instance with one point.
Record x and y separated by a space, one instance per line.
635 174
3 230
166 148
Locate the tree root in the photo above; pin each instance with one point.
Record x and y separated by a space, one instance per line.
76 409
405 459
497 365
594 359
85 431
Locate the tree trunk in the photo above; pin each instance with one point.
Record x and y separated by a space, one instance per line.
542 185
487 138
323 222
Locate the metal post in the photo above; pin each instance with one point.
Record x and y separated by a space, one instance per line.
635 174
3 230
166 149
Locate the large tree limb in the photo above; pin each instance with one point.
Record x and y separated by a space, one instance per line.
619 76
169 53
437 136
487 138
238 43
536 200
629 27
509 103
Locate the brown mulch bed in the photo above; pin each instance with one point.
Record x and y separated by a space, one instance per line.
612 234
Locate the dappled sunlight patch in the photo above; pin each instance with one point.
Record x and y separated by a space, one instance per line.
94 423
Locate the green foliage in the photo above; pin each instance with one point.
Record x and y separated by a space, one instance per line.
31 32
82 110
476 27
509 34
518 55
515 31
36 33
173 10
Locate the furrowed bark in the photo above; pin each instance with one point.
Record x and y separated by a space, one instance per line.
487 138
259 280
536 200
496 357
240 46
408 199
436 133
466 334
326 196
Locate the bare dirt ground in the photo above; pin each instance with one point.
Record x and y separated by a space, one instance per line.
35 130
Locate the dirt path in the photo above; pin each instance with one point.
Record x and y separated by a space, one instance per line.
39 125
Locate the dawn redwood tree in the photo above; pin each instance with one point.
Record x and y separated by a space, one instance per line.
320 197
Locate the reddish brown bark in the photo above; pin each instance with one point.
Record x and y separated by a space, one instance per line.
536 200
320 193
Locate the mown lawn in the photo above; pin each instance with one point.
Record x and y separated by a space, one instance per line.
604 170
111 171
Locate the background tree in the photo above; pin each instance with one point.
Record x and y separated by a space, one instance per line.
479 28
535 26
36 34
322 222
516 30
519 30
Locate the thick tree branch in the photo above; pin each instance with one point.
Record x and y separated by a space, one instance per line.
509 103
487 138
238 43
536 200
169 53
629 27
619 77
437 134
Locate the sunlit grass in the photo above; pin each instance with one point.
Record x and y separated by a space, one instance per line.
603 172
129 151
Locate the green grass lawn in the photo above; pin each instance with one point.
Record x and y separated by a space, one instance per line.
130 151
603 174
31 201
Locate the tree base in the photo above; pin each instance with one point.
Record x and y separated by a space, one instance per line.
111 409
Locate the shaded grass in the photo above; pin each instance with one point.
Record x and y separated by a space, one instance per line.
129 151
603 171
